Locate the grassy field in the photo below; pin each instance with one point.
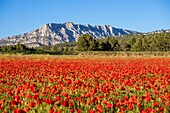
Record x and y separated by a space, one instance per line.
100 54
125 54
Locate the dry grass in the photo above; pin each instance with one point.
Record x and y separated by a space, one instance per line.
94 55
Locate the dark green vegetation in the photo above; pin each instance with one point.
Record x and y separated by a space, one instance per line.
131 43
58 49
149 42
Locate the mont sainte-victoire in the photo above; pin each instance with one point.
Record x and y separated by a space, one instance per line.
55 33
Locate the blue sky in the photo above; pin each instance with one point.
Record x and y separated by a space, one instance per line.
20 16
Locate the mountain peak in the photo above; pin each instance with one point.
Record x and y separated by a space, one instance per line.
68 23
54 33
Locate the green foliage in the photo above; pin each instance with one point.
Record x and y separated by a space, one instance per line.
63 48
138 45
86 42
66 48
148 42
114 44
19 48
100 45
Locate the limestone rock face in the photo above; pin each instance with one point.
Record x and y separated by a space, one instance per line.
53 33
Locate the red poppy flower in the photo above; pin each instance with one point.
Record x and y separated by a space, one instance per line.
99 108
13 103
16 110
48 101
26 109
78 111
64 94
155 104
0 107
130 106
65 103
72 110
109 105
91 111
32 104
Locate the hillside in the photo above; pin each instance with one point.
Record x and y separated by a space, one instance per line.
55 33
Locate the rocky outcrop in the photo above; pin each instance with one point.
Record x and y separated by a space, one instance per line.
52 33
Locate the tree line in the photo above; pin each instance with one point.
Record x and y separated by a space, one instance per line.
134 42
58 49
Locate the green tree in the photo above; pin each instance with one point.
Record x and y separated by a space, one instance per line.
145 44
107 46
125 46
114 45
138 45
3 49
100 45
85 42
9 48
20 47
93 45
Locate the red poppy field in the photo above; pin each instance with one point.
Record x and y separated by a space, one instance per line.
84 85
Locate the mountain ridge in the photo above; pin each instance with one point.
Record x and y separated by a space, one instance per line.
54 33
